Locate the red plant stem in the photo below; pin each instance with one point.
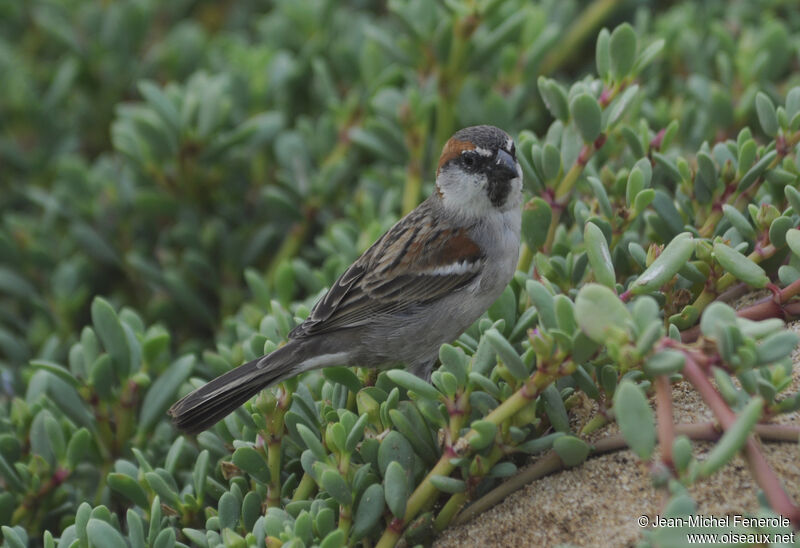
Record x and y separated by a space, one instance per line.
664 421
773 306
764 475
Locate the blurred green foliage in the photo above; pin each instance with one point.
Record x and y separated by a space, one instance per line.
209 168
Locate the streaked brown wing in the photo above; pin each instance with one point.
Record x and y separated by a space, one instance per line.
415 262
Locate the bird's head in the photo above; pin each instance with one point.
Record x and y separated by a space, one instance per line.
479 172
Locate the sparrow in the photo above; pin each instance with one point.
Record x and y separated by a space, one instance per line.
421 284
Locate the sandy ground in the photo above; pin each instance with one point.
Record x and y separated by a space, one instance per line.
598 503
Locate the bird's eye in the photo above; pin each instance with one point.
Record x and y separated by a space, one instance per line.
469 160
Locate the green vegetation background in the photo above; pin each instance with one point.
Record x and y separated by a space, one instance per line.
179 181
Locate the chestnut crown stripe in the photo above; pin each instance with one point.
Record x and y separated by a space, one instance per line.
452 150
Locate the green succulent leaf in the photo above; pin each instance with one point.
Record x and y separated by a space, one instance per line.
766 114
369 511
128 487
112 335
571 450
506 353
536 217
252 462
603 53
666 265
229 508
344 376
635 419
101 533
448 485
587 116
622 49
336 486
395 488
485 433
411 382
664 362
734 438
600 313
740 266
599 255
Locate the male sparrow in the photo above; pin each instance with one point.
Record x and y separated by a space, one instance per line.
420 285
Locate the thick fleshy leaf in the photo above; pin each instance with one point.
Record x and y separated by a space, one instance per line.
664 362
312 442
164 489
620 106
536 217
455 360
543 301
793 239
554 97
739 221
344 376
356 433
776 346
603 53
599 255
112 335
395 447
395 488
485 433
447 484
635 419
229 511
551 162
58 370
681 453
648 55
755 172
740 266
587 116
733 439
666 265
555 409
370 510
503 309
128 487
571 450
506 353
622 48
716 317
336 486
599 312
416 432
777 231
766 114
252 462
101 533
411 382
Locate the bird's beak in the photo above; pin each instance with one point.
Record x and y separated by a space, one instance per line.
504 168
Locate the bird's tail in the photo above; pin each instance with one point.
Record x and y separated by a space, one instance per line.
210 403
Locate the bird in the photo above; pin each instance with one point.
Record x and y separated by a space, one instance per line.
420 285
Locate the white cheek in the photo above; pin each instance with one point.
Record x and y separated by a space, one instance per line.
464 192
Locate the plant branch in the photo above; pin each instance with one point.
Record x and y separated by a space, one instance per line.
664 420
